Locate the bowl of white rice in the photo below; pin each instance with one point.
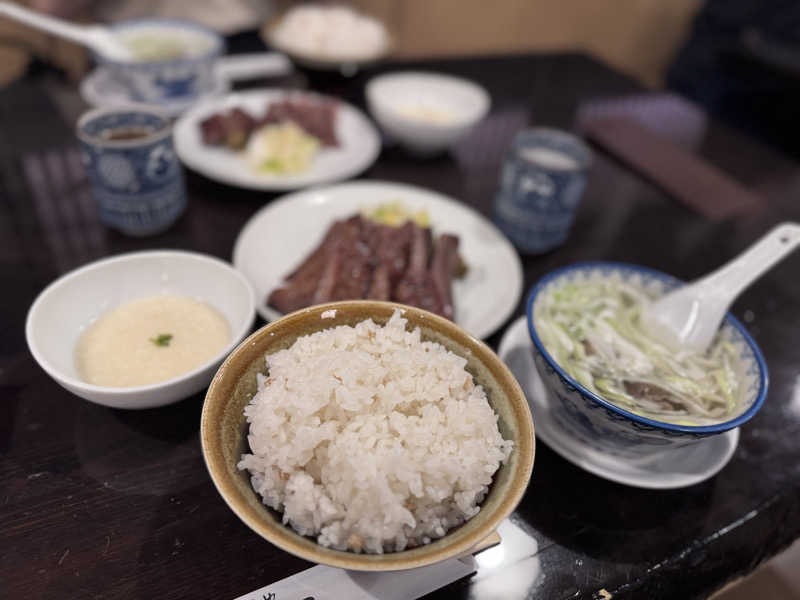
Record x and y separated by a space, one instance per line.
368 436
328 38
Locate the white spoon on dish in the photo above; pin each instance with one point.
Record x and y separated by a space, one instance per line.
96 37
689 317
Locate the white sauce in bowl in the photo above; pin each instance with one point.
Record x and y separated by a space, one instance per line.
150 340
433 115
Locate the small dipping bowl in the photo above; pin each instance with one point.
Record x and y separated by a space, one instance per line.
66 307
426 112
181 78
224 430
601 425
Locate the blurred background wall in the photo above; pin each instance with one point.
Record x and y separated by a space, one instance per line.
638 37
20 44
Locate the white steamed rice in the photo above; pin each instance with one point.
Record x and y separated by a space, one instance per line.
370 439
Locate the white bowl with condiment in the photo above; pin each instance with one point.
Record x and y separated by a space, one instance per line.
426 112
68 307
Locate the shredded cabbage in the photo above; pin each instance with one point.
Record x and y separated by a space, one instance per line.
591 329
282 149
396 214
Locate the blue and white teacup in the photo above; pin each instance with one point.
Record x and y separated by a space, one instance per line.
540 188
172 79
136 177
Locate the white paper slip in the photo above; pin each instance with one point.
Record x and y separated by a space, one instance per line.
329 583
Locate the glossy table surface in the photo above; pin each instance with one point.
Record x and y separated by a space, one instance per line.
98 503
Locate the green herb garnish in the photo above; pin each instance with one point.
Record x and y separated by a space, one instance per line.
162 339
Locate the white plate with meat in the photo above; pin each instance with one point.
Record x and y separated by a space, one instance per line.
215 138
316 246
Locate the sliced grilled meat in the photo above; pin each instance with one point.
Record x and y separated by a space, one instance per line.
416 287
302 283
347 273
213 130
359 258
390 247
316 117
444 266
380 288
239 124
313 265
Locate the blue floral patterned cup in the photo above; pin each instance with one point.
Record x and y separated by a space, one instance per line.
540 187
136 178
176 79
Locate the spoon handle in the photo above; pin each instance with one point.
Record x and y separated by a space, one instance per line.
241 67
59 27
733 277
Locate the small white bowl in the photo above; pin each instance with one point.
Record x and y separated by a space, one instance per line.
61 313
426 112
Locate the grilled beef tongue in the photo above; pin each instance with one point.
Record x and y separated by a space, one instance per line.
380 288
444 265
389 249
213 130
416 287
347 273
302 283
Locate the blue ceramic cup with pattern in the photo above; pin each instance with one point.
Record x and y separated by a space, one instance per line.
136 177
540 188
173 60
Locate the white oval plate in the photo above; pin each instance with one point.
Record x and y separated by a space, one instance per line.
677 468
282 234
359 145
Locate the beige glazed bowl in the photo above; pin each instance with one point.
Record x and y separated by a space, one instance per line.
223 433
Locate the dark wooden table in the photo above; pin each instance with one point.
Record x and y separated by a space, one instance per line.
103 503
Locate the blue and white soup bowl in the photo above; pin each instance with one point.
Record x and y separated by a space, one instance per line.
601 425
136 177
178 79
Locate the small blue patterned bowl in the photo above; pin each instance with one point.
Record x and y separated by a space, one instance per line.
603 426
168 81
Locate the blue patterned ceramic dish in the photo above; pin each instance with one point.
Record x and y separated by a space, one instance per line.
168 81
540 188
603 426
137 182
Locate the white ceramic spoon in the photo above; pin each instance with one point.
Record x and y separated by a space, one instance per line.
97 37
688 318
